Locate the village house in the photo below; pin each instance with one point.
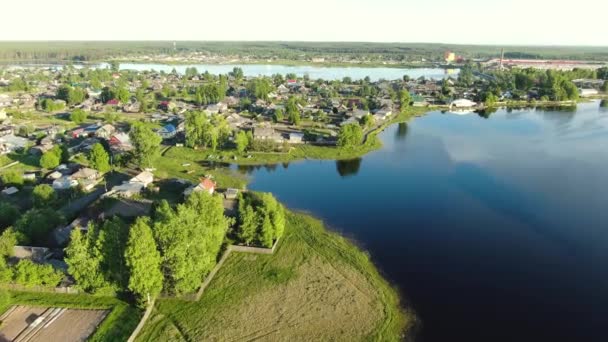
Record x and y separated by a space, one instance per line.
10 191
120 143
205 184
266 134
219 107
383 114
87 178
64 183
167 132
133 187
296 138
35 254
39 150
105 131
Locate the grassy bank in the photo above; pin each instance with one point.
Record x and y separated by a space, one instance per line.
201 160
317 286
117 326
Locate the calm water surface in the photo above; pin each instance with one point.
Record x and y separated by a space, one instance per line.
314 72
494 229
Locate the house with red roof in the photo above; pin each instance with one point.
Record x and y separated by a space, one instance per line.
205 184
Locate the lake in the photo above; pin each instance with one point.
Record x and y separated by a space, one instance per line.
494 228
314 72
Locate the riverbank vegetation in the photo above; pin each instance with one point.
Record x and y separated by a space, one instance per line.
317 286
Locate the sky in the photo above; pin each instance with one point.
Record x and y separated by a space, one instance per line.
512 22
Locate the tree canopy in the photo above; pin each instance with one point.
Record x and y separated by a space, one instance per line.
189 239
350 135
143 262
99 158
146 144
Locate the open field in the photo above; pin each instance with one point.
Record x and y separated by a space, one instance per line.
316 287
28 323
117 325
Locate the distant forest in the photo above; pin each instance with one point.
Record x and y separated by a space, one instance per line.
80 51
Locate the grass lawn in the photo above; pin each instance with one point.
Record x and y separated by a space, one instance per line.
117 326
185 163
316 287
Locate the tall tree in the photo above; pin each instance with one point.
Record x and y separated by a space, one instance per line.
189 239
350 135
99 158
146 144
84 263
143 261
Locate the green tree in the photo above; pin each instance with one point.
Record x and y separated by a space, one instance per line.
84 262
27 273
8 214
36 224
604 87
43 195
123 95
110 244
143 262
78 116
99 158
350 135
49 160
12 178
241 141
266 232
366 120
260 88
189 239
146 144
405 99
8 240
278 115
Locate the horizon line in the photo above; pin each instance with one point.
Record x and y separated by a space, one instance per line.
498 45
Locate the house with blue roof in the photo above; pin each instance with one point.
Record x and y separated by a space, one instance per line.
167 132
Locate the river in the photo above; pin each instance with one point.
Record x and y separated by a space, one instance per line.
314 72
253 70
493 229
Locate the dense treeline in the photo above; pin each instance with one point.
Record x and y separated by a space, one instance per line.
173 252
92 51
261 219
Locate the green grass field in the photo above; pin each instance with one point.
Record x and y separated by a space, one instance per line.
117 326
316 287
